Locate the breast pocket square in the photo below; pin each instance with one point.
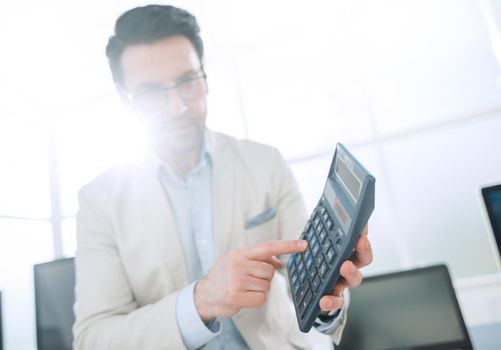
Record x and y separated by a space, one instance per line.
261 218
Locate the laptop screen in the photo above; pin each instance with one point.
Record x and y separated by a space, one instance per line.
414 309
54 298
492 200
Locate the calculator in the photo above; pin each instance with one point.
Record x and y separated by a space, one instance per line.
332 231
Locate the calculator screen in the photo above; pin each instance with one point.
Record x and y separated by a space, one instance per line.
345 173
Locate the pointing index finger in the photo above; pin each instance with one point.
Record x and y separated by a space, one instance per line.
264 250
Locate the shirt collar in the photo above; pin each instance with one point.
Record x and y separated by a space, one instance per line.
164 170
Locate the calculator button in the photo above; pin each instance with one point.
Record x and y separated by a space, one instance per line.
318 260
330 224
315 283
302 275
316 220
312 273
295 286
307 254
295 259
330 254
313 241
326 245
300 265
322 235
294 278
306 301
319 226
322 270
303 288
339 243
315 249
304 304
311 234
309 262
340 233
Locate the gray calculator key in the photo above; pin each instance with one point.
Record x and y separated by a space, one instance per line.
315 249
309 262
322 235
327 244
322 270
311 233
316 221
319 226
339 243
300 265
304 304
313 240
330 224
330 254
303 288
312 273
315 284
307 255
319 259
302 275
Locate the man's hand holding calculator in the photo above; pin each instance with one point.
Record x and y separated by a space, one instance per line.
350 273
242 277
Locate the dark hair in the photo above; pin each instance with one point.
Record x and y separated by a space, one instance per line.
143 25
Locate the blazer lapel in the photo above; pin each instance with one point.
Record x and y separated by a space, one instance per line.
158 223
224 195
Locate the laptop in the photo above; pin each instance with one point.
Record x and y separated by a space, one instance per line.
414 309
492 200
54 298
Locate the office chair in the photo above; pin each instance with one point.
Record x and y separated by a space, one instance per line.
54 298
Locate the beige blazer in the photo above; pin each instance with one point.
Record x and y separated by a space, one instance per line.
130 265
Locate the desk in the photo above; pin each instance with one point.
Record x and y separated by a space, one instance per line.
487 337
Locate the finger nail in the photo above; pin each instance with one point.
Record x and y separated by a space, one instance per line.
329 304
302 244
352 269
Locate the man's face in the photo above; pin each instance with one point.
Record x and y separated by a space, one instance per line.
174 118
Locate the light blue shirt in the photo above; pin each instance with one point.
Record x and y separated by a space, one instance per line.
191 203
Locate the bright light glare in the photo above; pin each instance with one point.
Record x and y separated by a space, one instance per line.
24 176
91 140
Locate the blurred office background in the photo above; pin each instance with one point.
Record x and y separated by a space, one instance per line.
412 87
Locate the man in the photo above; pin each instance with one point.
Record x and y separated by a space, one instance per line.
186 248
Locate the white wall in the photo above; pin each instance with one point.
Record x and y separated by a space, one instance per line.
479 299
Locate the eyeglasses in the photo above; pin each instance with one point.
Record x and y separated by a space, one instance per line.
154 100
